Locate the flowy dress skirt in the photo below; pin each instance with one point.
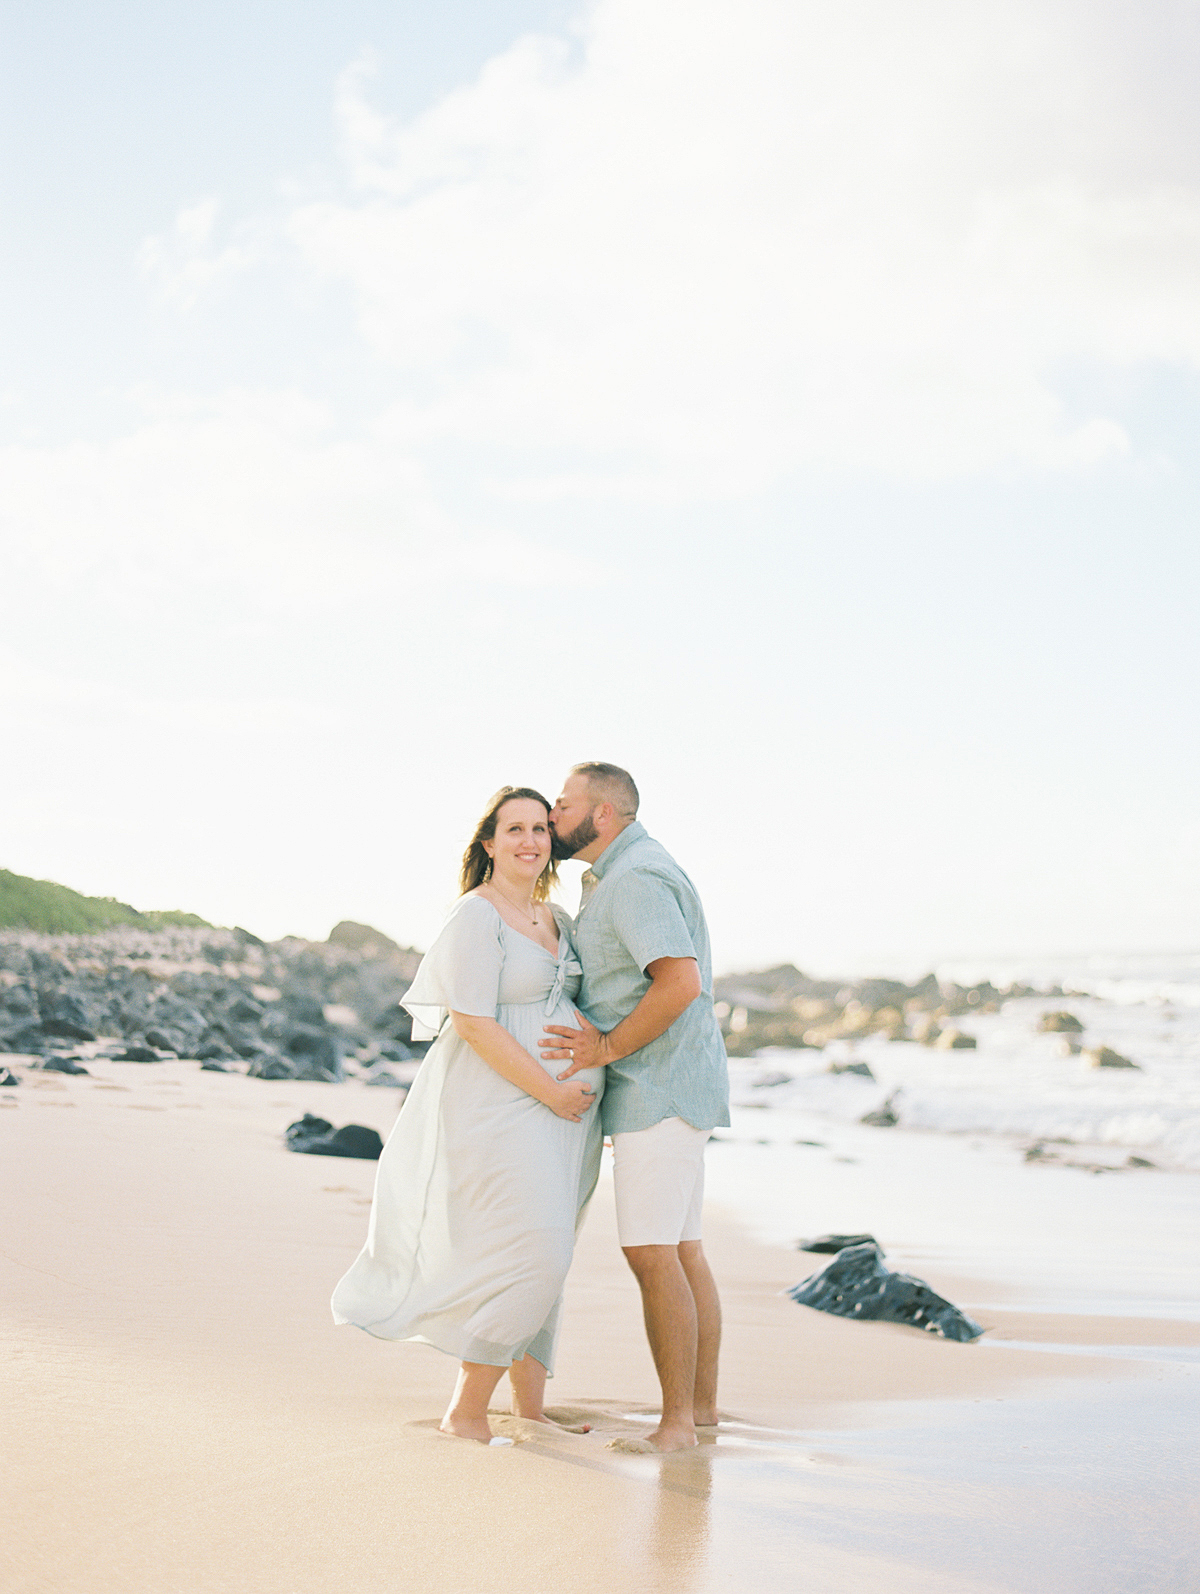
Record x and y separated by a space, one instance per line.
480 1187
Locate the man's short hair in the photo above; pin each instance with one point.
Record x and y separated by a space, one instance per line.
608 783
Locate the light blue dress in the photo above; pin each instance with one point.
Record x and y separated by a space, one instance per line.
480 1188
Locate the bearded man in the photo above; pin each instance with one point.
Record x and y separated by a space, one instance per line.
647 990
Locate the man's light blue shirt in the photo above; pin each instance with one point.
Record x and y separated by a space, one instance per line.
642 908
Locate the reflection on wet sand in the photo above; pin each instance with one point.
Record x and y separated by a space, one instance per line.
677 1543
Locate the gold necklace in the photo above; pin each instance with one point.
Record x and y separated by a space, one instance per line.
532 917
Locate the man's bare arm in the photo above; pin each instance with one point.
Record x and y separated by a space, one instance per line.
674 986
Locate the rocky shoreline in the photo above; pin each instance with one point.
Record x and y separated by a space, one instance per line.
783 1007
289 1009
296 1009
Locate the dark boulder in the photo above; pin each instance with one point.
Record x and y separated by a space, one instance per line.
269 1066
244 1010
1105 1057
395 1052
214 1065
852 1068
857 1284
66 1030
954 1040
885 1117
246 1045
381 1075
317 1053
831 1244
57 1064
362 938
64 1014
305 1009
138 1054
7 1078
20 1001
874 994
28 1039
1060 1023
317 1137
395 1022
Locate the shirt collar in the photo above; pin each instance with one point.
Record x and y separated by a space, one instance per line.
616 847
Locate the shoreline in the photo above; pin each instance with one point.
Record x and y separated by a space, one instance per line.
181 1412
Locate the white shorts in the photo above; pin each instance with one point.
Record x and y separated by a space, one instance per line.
659 1178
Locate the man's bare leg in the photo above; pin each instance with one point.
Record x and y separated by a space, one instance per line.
708 1329
669 1309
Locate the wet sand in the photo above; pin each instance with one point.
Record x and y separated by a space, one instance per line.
180 1416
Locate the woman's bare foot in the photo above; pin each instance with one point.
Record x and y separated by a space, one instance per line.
469 1428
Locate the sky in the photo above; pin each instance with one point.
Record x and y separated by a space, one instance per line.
795 403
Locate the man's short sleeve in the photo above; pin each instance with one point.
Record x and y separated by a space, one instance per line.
647 919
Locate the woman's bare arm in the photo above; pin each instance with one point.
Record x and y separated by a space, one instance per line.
499 1050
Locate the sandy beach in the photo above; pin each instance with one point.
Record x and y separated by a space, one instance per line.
181 1417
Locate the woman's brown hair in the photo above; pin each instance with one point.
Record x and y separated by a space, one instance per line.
477 866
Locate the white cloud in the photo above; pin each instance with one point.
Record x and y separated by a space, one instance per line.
254 496
734 239
186 263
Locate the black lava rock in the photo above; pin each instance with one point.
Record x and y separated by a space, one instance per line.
271 1067
317 1057
242 1010
857 1284
64 1014
55 1064
830 1244
7 1077
885 1117
138 1054
852 1068
28 1039
66 1030
315 1136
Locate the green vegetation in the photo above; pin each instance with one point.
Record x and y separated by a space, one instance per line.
41 905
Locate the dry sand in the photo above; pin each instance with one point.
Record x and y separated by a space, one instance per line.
180 1416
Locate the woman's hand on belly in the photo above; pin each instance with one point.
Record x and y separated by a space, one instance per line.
571 1100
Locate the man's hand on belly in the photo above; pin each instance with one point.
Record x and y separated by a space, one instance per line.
582 1048
674 986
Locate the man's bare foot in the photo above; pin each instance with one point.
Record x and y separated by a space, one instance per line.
470 1428
660 1442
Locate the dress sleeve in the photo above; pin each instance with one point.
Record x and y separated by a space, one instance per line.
647 918
461 970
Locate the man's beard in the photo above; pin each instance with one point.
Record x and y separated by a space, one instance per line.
570 844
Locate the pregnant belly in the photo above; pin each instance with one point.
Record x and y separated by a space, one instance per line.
530 1035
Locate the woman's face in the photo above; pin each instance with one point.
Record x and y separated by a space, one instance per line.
520 848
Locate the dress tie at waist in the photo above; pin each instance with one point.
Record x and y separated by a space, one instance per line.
564 968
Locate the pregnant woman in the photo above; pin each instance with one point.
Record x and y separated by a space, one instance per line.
491 1162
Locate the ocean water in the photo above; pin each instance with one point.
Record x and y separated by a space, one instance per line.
1020 1084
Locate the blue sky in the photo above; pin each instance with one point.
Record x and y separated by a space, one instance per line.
798 405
